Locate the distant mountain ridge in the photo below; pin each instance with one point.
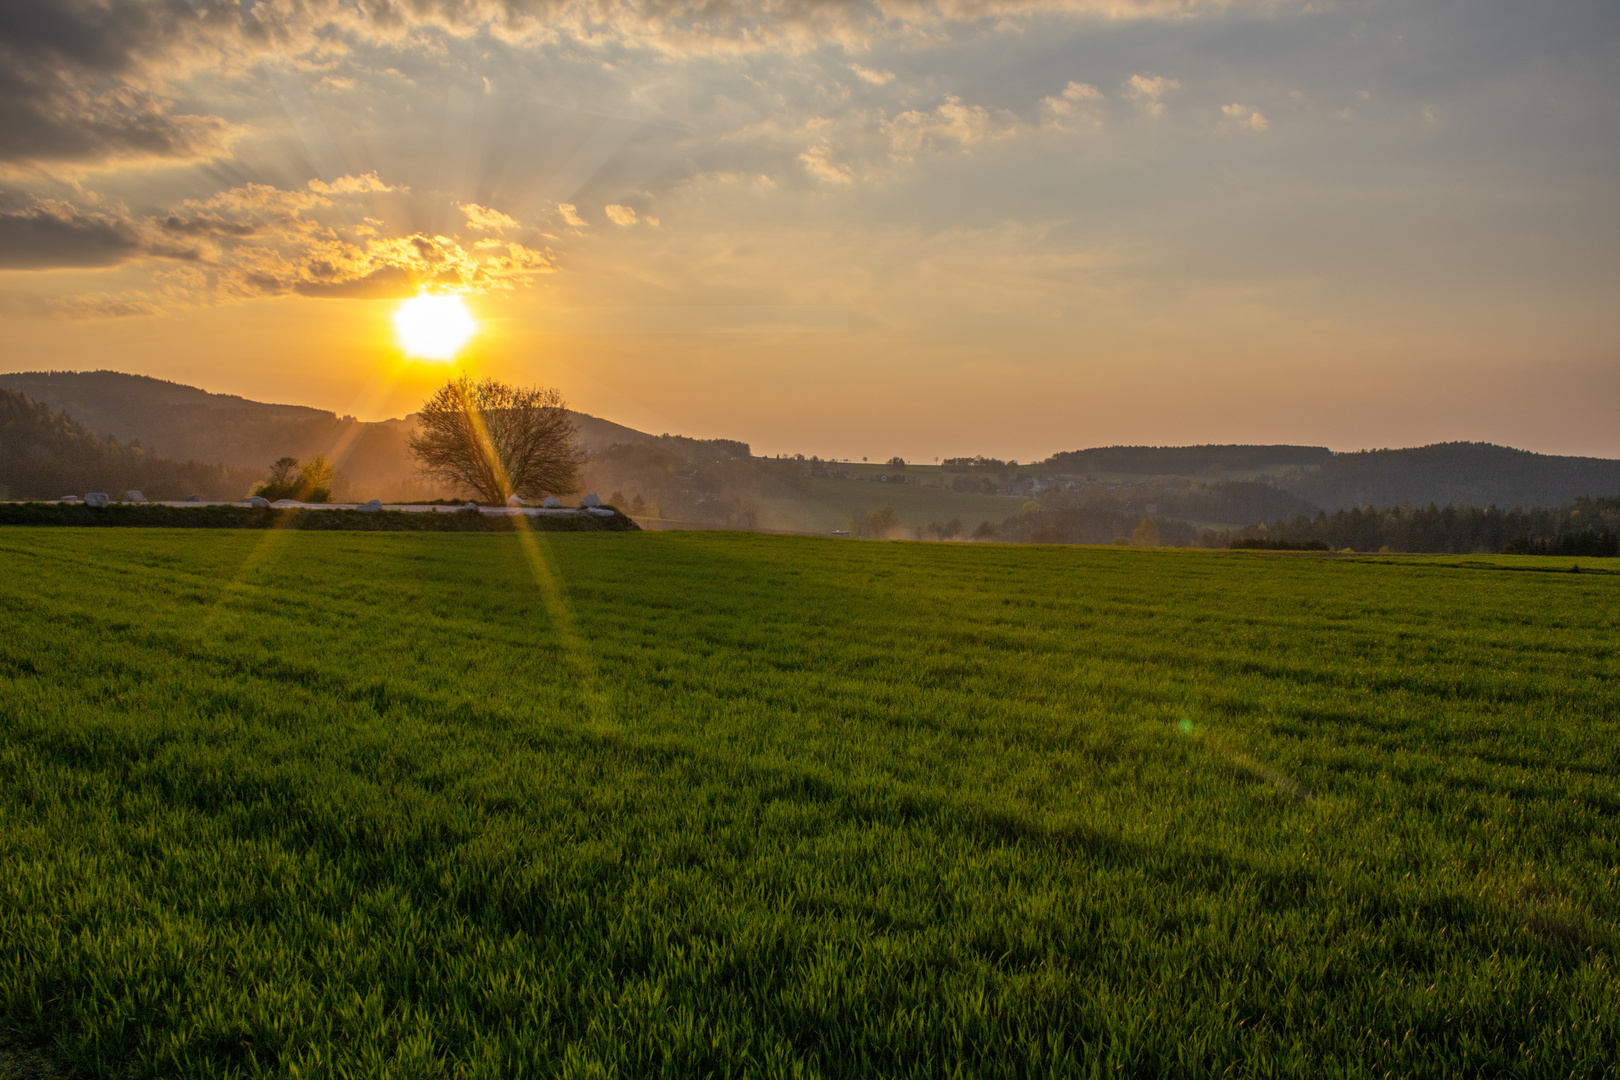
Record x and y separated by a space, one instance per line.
1212 459
1445 474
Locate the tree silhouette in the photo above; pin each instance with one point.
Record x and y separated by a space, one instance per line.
495 440
307 482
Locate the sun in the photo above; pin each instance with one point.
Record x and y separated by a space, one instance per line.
434 327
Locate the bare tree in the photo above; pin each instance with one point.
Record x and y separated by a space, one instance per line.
495 440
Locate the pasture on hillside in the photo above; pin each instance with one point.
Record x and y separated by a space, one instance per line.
712 804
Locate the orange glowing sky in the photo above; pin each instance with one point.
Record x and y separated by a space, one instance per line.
880 228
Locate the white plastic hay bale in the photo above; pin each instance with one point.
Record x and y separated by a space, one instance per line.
286 502
515 499
71 500
590 501
256 500
134 496
371 507
552 502
469 505
96 498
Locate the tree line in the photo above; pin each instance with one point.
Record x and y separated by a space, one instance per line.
45 454
1586 526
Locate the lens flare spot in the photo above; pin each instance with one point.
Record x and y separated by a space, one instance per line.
434 327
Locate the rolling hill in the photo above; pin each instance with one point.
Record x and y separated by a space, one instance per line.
182 422
45 454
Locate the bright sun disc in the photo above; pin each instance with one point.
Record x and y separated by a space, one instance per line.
434 327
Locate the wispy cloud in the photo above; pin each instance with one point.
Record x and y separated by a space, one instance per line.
818 161
876 78
487 220
1244 116
128 305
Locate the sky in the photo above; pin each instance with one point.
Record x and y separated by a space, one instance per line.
849 228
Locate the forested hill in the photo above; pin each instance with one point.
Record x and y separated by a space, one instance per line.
1445 474
183 422
1455 474
1209 460
45 455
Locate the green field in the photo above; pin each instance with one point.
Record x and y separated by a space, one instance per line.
710 804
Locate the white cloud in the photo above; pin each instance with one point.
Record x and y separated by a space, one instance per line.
1246 117
570 214
1149 91
620 215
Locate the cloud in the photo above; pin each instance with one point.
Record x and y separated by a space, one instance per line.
1079 102
818 162
81 80
309 255
876 78
1149 91
107 84
1246 117
258 240
52 234
387 282
705 28
94 82
952 122
105 306
365 183
482 217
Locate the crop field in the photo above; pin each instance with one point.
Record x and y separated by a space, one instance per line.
280 803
